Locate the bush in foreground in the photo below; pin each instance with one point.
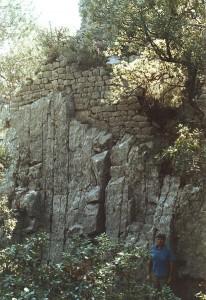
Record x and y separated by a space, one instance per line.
100 269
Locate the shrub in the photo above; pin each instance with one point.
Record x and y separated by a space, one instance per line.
79 49
161 81
188 154
4 157
95 270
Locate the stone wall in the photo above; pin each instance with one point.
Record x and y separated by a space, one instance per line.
91 92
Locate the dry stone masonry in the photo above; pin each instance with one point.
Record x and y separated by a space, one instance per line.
83 164
91 93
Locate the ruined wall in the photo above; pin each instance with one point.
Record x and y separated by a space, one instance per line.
91 93
86 165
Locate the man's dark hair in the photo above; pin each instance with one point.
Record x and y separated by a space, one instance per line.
161 236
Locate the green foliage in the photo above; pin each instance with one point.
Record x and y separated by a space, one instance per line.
4 157
161 81
4 161
16 21
140 24
7 221
96 270
16 61
188 153
201 296
78 49
171 30
53 42
17 65
19 270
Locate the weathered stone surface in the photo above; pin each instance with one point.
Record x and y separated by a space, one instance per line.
120 152
99 162
31 202
102 142
89 182
58 158
190 229
116 207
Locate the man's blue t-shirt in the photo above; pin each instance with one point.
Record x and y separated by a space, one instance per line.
161 257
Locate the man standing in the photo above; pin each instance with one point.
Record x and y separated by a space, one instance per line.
161 263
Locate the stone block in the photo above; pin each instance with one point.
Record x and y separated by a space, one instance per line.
99 83
82 79
91 78
77 74
122 107
40 75
109 108
134 106
55 65
47 74
140 118
61 70
96 109
68 69
44 93
96 72
131 113
60 82
66 82
55 83
69 76
95 95
143 124
83 116
48 86
62 76
85 73
106 77
63 63
55 74
45 80
106 115
102 72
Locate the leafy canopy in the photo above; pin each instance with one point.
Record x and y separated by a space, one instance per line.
16 20
134 25
172 30
187 155
17 56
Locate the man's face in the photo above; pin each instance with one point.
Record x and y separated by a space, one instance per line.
160 242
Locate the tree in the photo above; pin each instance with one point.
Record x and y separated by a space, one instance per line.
16 20
172 30
16 27
18 64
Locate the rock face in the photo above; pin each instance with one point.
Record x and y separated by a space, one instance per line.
73 177
63 170
70 175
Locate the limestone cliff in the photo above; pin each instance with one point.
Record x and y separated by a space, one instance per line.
82 164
